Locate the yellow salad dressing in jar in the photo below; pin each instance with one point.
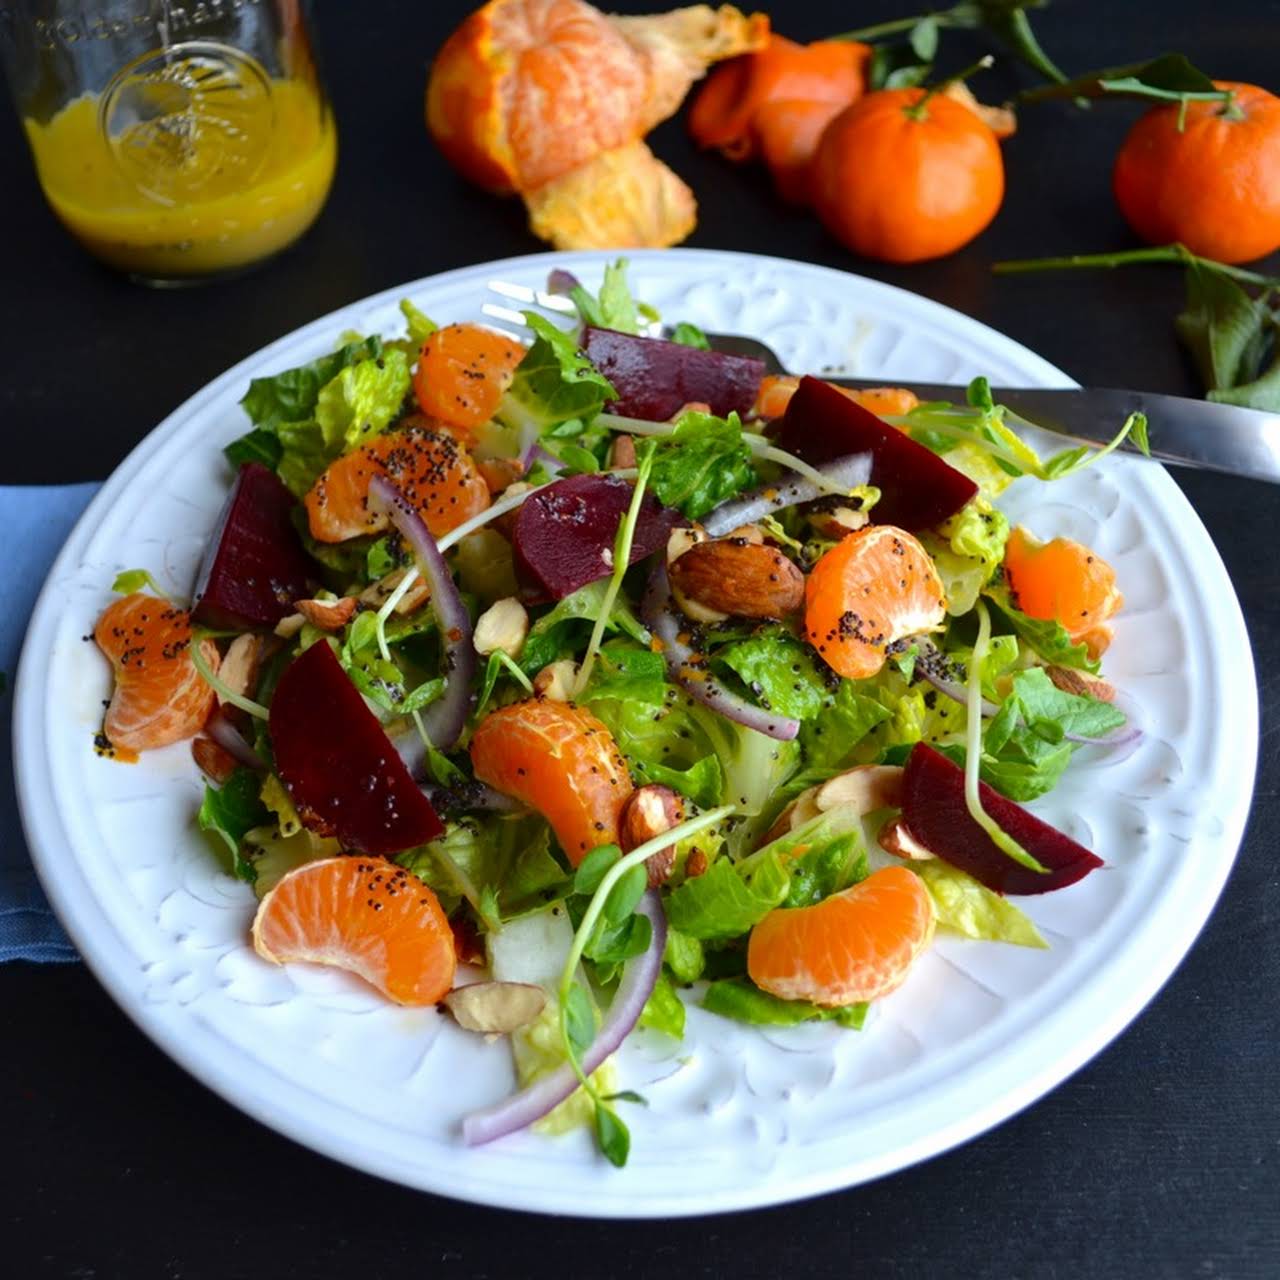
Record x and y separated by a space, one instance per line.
196 157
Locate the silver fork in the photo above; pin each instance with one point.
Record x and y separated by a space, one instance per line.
1185 432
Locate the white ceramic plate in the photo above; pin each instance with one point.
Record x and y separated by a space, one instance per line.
979 1031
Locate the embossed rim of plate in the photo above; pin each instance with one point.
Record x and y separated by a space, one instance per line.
1045 1048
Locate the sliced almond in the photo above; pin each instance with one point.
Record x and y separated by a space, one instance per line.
290 625
1081 683
622 453
837 523
740 578
239 669
894 838
496 1008
376 596
214 760
328 615
864 789
680 540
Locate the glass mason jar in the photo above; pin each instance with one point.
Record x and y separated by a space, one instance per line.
176 142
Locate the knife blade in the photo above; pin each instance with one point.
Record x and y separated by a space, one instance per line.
1184 432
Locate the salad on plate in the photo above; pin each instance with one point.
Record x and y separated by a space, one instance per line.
564 678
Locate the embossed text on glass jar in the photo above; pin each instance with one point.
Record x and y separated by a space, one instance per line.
174 141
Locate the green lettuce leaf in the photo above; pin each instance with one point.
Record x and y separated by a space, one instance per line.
553 384
701 464
684 956
743 1001
421 326
229 812
664 1011
844 720
728 899
1048 639
689 335
779 671
754 766
362 400
972 909
272 855
823 856
507 854
614 307
291 396
550 637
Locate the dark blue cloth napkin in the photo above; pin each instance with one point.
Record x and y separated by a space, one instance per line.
41 517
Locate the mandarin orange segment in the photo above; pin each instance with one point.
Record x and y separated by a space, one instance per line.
560 760
776 392
430 468
854 946
462 373
363 914
873 588
1063 581
159 697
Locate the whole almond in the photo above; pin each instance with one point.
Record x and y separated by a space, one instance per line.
740 578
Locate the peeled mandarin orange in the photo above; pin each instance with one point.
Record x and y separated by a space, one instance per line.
854 946
433 471
1063 581
559 759
776 392
159 696
363 914
873 588
462 373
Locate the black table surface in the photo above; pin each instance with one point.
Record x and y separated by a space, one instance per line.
1159 1158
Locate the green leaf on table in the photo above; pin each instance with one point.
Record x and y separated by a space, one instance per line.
1171 77
1223 327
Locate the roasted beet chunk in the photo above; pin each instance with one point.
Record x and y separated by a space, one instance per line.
934 810
254 567
564 534
917 488
341 771
655 379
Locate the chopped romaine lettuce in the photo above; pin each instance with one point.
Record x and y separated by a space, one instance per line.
728 899
291 396
230 811
1048 638
689 335
779 671
273 855
843 722
702 463
823 856
684 956
742 1000
663 1011
550 635
362 400
554 383
970 908
421 326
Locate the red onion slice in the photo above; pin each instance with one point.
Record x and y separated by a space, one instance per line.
471 796
789 490
536 453
229 738
444 719
688 669
639 978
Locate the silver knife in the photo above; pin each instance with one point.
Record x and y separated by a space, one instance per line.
1185 432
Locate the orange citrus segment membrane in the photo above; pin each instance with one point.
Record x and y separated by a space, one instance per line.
872 588
559 759
159 697
431 469
854 946
363 914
